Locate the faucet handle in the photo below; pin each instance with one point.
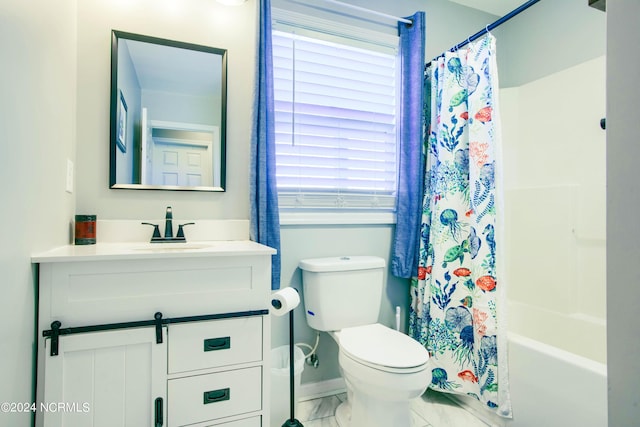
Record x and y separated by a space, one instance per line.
156 230
180 234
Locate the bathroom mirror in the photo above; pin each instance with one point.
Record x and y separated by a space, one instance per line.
168 114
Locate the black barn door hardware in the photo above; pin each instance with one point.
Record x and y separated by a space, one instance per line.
158 321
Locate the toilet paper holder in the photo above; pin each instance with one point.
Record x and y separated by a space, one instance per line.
277 304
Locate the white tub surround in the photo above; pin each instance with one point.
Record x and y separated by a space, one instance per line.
576 333
549 387
154 334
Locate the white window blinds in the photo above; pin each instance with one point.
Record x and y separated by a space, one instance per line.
335 124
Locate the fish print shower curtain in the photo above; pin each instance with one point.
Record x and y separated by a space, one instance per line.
454 310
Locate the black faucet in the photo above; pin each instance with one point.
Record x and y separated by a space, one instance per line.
168 230
168 224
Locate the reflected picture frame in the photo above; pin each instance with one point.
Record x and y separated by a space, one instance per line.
121 139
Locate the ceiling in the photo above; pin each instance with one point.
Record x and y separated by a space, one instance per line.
495 7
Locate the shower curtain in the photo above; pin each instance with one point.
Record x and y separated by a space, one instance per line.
455 296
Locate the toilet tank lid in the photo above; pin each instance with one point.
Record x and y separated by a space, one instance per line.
343 263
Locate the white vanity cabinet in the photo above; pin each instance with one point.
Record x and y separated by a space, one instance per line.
145 336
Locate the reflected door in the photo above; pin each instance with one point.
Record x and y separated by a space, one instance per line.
180 164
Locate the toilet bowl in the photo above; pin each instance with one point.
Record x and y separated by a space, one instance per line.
383 368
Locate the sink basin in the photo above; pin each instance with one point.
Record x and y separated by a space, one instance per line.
164 247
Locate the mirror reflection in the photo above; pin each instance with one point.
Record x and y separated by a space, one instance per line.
168 114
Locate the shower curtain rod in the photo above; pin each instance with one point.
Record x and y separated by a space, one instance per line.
489 27
369 11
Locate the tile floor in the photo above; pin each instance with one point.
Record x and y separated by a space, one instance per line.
431 410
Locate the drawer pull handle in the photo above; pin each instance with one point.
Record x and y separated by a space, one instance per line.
214 396
213 344
159 422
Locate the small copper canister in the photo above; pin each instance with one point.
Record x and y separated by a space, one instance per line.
85 230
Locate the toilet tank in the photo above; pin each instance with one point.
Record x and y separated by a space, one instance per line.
342 292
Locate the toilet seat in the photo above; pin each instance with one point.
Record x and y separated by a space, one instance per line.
383 348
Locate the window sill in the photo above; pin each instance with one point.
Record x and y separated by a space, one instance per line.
337 218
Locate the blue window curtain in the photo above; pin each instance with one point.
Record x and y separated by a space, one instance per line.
404 258
264 216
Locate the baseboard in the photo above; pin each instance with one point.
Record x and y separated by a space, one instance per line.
318 389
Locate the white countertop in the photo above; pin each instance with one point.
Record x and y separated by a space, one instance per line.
145 250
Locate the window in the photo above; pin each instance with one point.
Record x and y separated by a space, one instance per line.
336 134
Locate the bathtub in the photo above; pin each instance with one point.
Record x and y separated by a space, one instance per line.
549 387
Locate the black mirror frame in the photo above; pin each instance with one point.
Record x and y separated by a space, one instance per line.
114 98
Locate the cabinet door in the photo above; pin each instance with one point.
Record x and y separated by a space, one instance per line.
110 378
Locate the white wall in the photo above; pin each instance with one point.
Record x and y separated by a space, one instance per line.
623 202
547 37
203 22
37 128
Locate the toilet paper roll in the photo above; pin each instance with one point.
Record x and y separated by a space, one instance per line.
283 301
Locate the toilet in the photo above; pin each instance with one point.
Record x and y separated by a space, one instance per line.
383 369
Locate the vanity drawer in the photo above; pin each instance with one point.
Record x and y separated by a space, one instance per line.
214 343
208 397
247 422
